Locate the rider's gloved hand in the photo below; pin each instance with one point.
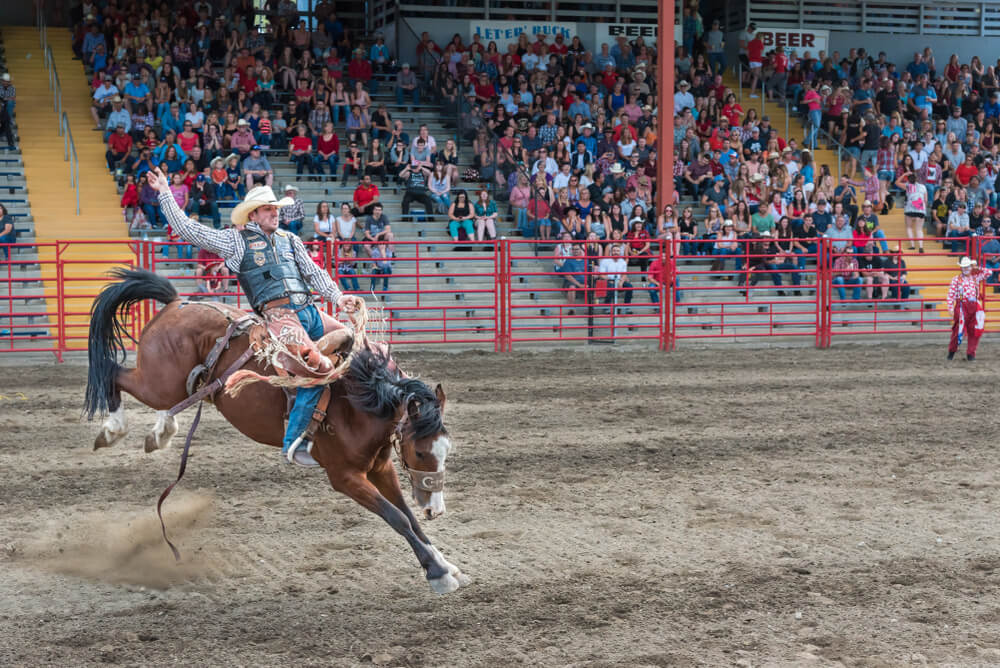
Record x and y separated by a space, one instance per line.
350 303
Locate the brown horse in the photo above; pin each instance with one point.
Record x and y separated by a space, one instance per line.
370 407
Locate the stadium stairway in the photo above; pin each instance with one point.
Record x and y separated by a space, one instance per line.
933 267
52 199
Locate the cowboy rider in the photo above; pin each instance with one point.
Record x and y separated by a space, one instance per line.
275 271
963 304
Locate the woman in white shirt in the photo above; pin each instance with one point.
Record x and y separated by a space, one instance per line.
347 224
322 223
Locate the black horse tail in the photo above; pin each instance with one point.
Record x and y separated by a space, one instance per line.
106 350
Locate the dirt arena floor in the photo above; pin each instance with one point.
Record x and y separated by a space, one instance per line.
707 507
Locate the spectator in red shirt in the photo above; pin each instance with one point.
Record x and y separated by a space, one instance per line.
366 196
965 171
360 69
300 150
327 150
119 146
484 89
779 79
755 54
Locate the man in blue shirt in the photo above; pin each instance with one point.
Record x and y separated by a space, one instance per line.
918 66
579 107
137 93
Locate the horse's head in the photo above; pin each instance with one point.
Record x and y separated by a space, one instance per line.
424 447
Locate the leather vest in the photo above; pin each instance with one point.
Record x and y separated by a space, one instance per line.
268 270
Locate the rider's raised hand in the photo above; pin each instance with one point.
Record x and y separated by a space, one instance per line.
158 181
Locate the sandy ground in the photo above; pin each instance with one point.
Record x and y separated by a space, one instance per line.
711 507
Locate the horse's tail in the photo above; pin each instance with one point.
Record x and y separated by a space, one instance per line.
106 351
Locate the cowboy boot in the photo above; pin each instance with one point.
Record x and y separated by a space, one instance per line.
336 345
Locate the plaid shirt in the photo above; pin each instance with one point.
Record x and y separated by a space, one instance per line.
296 211
885 161
230 246
548 134
7 92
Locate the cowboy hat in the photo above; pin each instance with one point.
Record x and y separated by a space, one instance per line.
291 186
217 160
966 262
256 198
617 168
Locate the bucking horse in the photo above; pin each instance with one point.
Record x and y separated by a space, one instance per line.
186 352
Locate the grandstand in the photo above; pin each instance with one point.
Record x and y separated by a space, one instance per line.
446 291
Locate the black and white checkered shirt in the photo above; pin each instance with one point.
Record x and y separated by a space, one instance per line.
230 246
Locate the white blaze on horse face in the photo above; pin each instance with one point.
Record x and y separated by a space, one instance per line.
439 449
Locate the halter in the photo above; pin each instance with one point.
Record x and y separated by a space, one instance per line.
428 481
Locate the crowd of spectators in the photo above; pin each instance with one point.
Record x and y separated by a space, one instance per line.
562 135
566 134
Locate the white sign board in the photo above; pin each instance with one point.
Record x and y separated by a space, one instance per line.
798 41
508 32
607 33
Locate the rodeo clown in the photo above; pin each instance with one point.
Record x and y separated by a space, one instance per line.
275 271
963 304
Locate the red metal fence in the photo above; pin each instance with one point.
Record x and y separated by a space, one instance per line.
508 293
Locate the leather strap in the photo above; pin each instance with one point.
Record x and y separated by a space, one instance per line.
319 413
205 391
213 387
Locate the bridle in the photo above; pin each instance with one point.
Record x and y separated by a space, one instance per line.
427 481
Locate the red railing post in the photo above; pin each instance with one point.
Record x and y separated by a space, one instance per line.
60 300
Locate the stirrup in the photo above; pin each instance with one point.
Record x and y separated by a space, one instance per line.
302 457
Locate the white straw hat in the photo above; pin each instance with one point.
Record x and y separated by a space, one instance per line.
966 262
256 198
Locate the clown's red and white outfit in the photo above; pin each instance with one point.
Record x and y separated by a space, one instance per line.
963 304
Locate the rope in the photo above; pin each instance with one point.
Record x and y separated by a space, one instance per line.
241 379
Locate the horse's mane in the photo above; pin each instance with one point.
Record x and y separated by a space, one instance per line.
375 388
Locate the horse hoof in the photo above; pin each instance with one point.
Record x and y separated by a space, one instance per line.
444 584
106 439
463 579
150 443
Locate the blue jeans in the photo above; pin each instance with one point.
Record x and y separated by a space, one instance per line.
442 201
305 397
385 274
815 122
958 244
332 162
184 251
293 226
717 61
349 279
336 111
401 95
7 239
839 281
528 226
304 161
153 215
811 249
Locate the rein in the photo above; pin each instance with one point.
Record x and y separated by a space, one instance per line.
199 397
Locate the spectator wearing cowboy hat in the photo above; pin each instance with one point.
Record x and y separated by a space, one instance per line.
683 99
242 140
118 116
963 304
